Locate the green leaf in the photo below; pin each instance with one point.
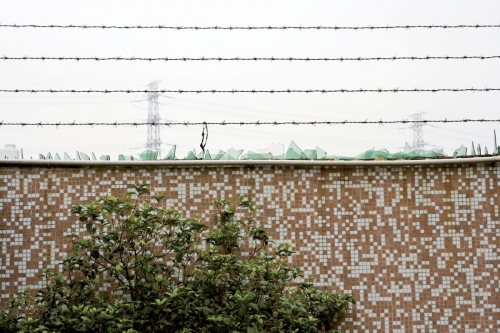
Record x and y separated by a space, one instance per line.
206 310
254 306
161 302
149 277
242 312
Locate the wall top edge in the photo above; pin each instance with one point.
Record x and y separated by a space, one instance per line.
218 163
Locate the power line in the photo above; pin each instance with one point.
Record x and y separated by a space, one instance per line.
230 28
249 91
250 59
255 123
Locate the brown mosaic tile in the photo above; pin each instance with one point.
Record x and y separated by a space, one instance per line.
418 246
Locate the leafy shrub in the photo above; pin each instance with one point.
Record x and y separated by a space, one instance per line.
162 281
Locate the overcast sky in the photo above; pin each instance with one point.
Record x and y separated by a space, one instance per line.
347 140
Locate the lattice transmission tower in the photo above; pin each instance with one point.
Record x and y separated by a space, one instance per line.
418 133
154 141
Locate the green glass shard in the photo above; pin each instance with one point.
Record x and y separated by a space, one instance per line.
370 154
82 156
294 152
251 155
407 149
416 154
292 155
496 150
278 157
191 155
148 155
275 149
311 154
430 153
232 154
397 156
219 155
122 157
367 155
171 154
41 157
438 153
412 154
320 153
382 153
462 151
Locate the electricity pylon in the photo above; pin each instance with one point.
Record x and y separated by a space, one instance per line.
418 133
154 141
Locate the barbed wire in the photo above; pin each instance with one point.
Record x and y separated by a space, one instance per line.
243 123
230 28
251 91
166 59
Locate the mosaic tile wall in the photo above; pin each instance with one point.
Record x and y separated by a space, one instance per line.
418 246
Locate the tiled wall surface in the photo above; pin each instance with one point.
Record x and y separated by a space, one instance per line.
418 246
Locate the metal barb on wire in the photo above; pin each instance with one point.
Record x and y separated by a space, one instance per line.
254 123
231 28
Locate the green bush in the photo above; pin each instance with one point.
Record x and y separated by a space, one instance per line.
162 281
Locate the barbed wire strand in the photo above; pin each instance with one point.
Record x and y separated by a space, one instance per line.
166 59
243 123
230 28
251 91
